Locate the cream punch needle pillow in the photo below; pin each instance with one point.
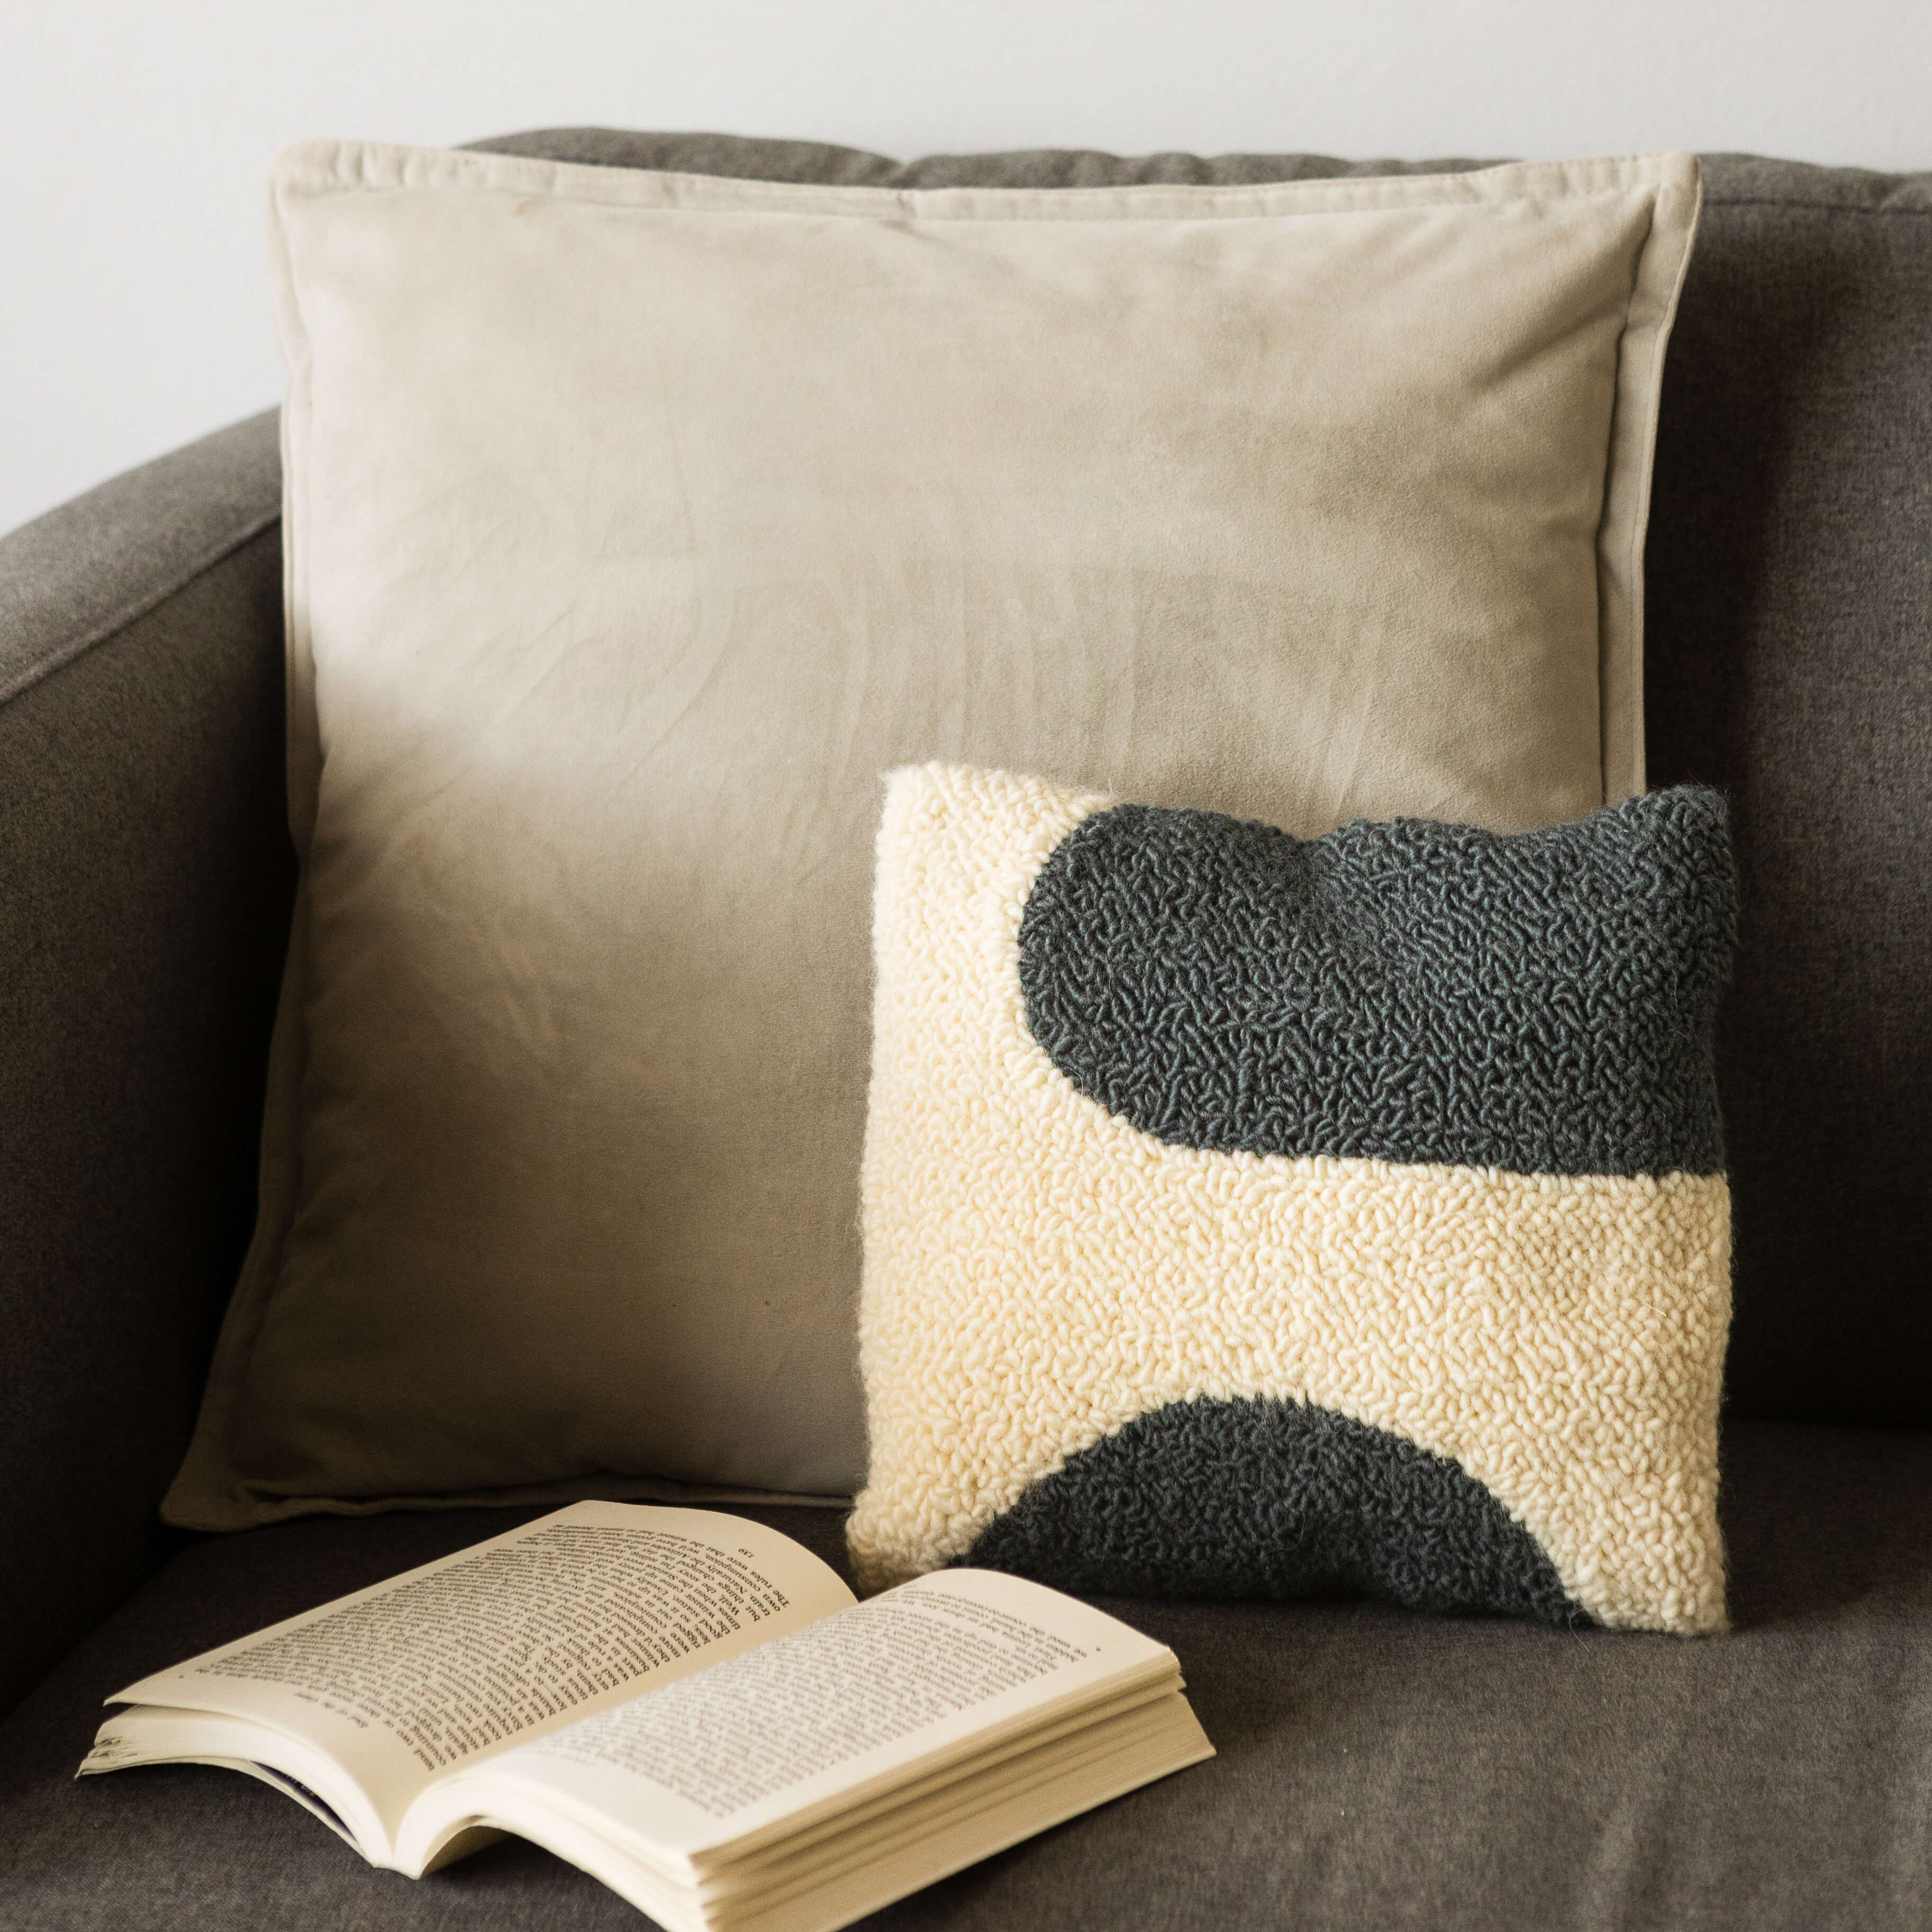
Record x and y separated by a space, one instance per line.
636 522
1252 1216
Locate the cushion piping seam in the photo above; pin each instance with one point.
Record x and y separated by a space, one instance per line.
130 614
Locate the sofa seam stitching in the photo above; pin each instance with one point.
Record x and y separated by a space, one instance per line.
1813 207
123 618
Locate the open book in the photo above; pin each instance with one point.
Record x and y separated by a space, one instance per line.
690 1706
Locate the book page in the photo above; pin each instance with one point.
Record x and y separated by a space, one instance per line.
816 1722
440 1667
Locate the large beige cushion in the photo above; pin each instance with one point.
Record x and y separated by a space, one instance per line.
636 522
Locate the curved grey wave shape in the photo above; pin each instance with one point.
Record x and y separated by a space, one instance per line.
1262 1498
1544 1002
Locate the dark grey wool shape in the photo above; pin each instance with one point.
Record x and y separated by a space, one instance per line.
1264 1499
1543 1002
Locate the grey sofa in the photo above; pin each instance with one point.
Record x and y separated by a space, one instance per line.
1376 1769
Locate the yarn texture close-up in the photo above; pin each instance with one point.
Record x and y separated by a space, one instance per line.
1252 1216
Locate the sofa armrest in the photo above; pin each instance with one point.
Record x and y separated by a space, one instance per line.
146 879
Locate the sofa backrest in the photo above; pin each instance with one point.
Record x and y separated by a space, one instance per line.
1789 658
1790 661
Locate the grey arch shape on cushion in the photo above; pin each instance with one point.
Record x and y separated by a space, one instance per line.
1257 1498
1543 1002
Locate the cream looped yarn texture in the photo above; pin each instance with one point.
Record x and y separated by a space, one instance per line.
1041 1275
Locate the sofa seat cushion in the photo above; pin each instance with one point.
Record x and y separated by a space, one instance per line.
1375 1768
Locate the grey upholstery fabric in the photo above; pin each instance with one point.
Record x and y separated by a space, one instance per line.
749 158
1788 660
144 879
1375 1769
74 578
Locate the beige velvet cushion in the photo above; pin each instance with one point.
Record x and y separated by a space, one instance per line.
636 523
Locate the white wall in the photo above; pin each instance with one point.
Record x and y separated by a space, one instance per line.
134 134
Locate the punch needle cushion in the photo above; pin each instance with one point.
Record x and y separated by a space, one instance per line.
1249 1215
